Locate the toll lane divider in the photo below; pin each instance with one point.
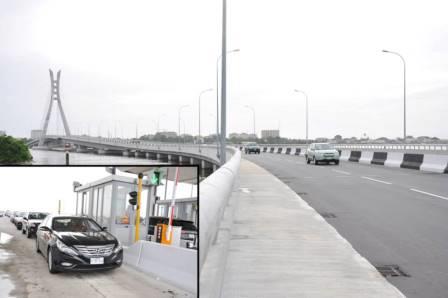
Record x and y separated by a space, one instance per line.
175 265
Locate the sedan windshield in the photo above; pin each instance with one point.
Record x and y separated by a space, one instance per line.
37 215
323 147
75 224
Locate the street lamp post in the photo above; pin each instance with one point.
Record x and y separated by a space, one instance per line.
199 136
217 98
306 108
178 130
404 91
253 113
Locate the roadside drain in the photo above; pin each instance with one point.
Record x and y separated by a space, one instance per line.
239 237
327 215
391 271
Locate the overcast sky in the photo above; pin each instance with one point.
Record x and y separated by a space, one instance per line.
40 188
135 62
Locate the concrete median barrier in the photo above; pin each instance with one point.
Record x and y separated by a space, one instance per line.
272 150
379 158
345 155
435 163
265 149
297 151
354 156
366 157
288 151
279 150
394 159
412 161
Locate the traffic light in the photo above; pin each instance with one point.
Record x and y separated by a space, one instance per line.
133 199
155 177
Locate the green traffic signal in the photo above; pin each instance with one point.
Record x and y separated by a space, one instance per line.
155 178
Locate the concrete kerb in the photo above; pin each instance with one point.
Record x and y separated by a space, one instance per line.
394 159
366 157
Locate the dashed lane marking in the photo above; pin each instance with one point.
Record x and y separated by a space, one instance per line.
376 180
341 172
429 194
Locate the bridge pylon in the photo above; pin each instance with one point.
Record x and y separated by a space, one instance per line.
55 96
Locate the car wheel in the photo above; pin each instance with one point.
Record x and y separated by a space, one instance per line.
50 262
37 246
23 231
336 162
315 161
18 228
28 234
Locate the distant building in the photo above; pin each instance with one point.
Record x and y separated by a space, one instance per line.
36 133
243 136
270 133
168 134
2 133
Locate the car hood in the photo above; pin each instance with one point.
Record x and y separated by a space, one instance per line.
88 238
327 151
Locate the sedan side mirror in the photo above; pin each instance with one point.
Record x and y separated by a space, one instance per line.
104 228
45 229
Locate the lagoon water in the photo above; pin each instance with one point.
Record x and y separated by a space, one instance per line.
41 157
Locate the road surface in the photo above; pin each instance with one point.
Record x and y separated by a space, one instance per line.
390 216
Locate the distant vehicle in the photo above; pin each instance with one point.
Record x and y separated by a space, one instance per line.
17 220
2 213
77 243
251 148
13 214
321 152
8 213
31 221
189 231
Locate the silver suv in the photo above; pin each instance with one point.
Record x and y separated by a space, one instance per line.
31 222
321 152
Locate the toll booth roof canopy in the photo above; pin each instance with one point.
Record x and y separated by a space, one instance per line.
109 179
186 174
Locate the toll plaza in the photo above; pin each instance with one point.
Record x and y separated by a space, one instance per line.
163 201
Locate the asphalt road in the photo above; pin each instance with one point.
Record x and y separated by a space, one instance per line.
24 273
390 216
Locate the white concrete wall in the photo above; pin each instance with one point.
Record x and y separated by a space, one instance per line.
175 265
215 191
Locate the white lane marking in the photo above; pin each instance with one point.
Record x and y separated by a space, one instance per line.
341 172
429 194
380 181
245 190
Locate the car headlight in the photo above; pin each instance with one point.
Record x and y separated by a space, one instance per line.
118 248
65 249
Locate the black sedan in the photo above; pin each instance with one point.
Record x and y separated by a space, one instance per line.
77 243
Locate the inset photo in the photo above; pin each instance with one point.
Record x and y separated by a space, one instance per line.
113 231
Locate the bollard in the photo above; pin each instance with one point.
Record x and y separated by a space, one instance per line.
67 158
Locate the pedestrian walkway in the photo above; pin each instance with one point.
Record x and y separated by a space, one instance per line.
281 247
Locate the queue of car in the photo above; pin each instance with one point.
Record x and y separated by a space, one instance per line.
69 243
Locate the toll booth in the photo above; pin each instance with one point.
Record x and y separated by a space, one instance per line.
107 201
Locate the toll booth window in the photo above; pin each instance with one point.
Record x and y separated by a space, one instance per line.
107 204
123 216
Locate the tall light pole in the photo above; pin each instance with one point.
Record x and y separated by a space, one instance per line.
217 98
199 106
404 91
222 154
253 113
306 108
178 131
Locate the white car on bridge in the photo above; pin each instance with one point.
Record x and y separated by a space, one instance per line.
321 152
